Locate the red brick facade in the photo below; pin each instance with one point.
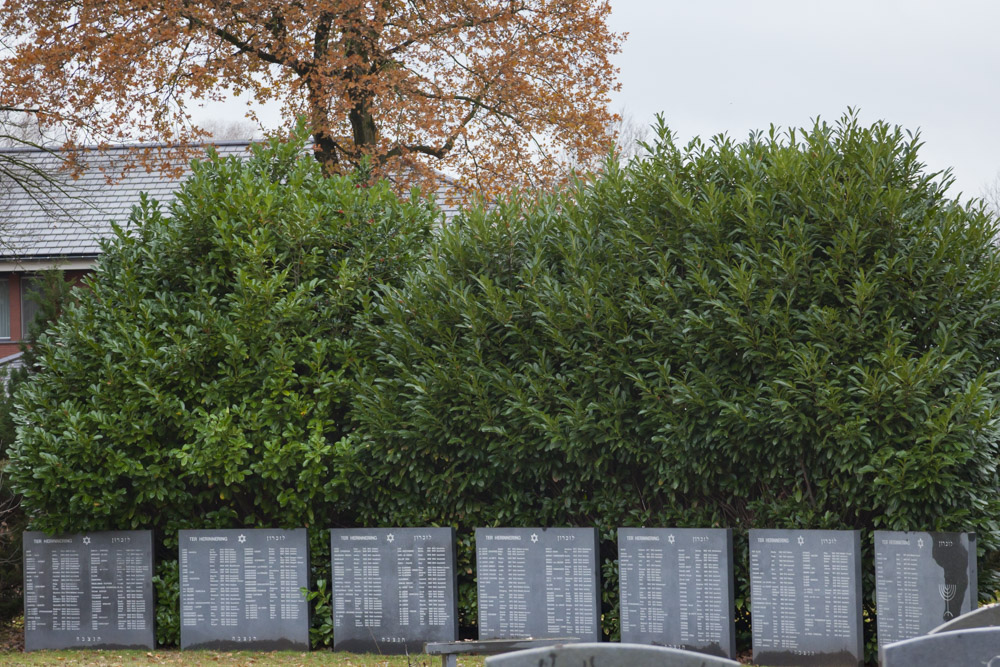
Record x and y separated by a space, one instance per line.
9 346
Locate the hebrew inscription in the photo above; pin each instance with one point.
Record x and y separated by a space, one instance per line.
538 582
242 589
805 590
88 590
676 587
922 580
393 588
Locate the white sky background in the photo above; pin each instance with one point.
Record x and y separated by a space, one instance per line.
730 66
714 66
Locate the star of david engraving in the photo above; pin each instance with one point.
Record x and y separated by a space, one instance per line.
86 539
390 537
534 537
670 538
801 540
242 538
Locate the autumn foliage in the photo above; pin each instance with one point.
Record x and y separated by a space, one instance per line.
502 92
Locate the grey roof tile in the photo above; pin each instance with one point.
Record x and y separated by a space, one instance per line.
60 215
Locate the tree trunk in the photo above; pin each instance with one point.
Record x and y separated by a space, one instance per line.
363 127
325 152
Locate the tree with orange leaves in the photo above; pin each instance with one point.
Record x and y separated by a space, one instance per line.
502 92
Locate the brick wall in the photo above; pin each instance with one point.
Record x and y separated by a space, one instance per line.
12 345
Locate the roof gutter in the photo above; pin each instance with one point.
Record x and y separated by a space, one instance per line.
48 262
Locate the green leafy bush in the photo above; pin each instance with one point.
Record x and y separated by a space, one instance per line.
203 378
800 330
12 525
52 292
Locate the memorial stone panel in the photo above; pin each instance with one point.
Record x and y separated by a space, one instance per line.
805 594
922 580
538 582
676 588
90 590
393 588
242 589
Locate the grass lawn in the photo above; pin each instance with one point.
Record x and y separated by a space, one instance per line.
11 641
219 659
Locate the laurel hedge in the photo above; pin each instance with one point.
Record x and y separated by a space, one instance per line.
203 377
52 291
797 330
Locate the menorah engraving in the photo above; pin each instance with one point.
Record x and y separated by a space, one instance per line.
947 592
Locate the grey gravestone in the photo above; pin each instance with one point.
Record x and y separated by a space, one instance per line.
90 590
538 582
985 617
805 594
607 655
978 647
677 588
242 589
393 588
921 581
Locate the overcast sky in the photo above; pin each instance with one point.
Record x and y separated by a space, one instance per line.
712 66
730 66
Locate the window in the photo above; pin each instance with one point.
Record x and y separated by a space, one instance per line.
4 308
29 303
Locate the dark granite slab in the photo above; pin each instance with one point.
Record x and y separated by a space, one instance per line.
242 589
922 580
805 590
676 588
393 589
89 590
538 583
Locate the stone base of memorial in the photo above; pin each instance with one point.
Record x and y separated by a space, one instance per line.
393 589
242 589
89 590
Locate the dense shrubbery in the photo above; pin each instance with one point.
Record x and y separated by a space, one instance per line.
12 524
51 294
795 331
203 378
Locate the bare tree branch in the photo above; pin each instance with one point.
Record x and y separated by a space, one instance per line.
21 141
991 195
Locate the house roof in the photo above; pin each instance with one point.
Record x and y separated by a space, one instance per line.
63 215
57 213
